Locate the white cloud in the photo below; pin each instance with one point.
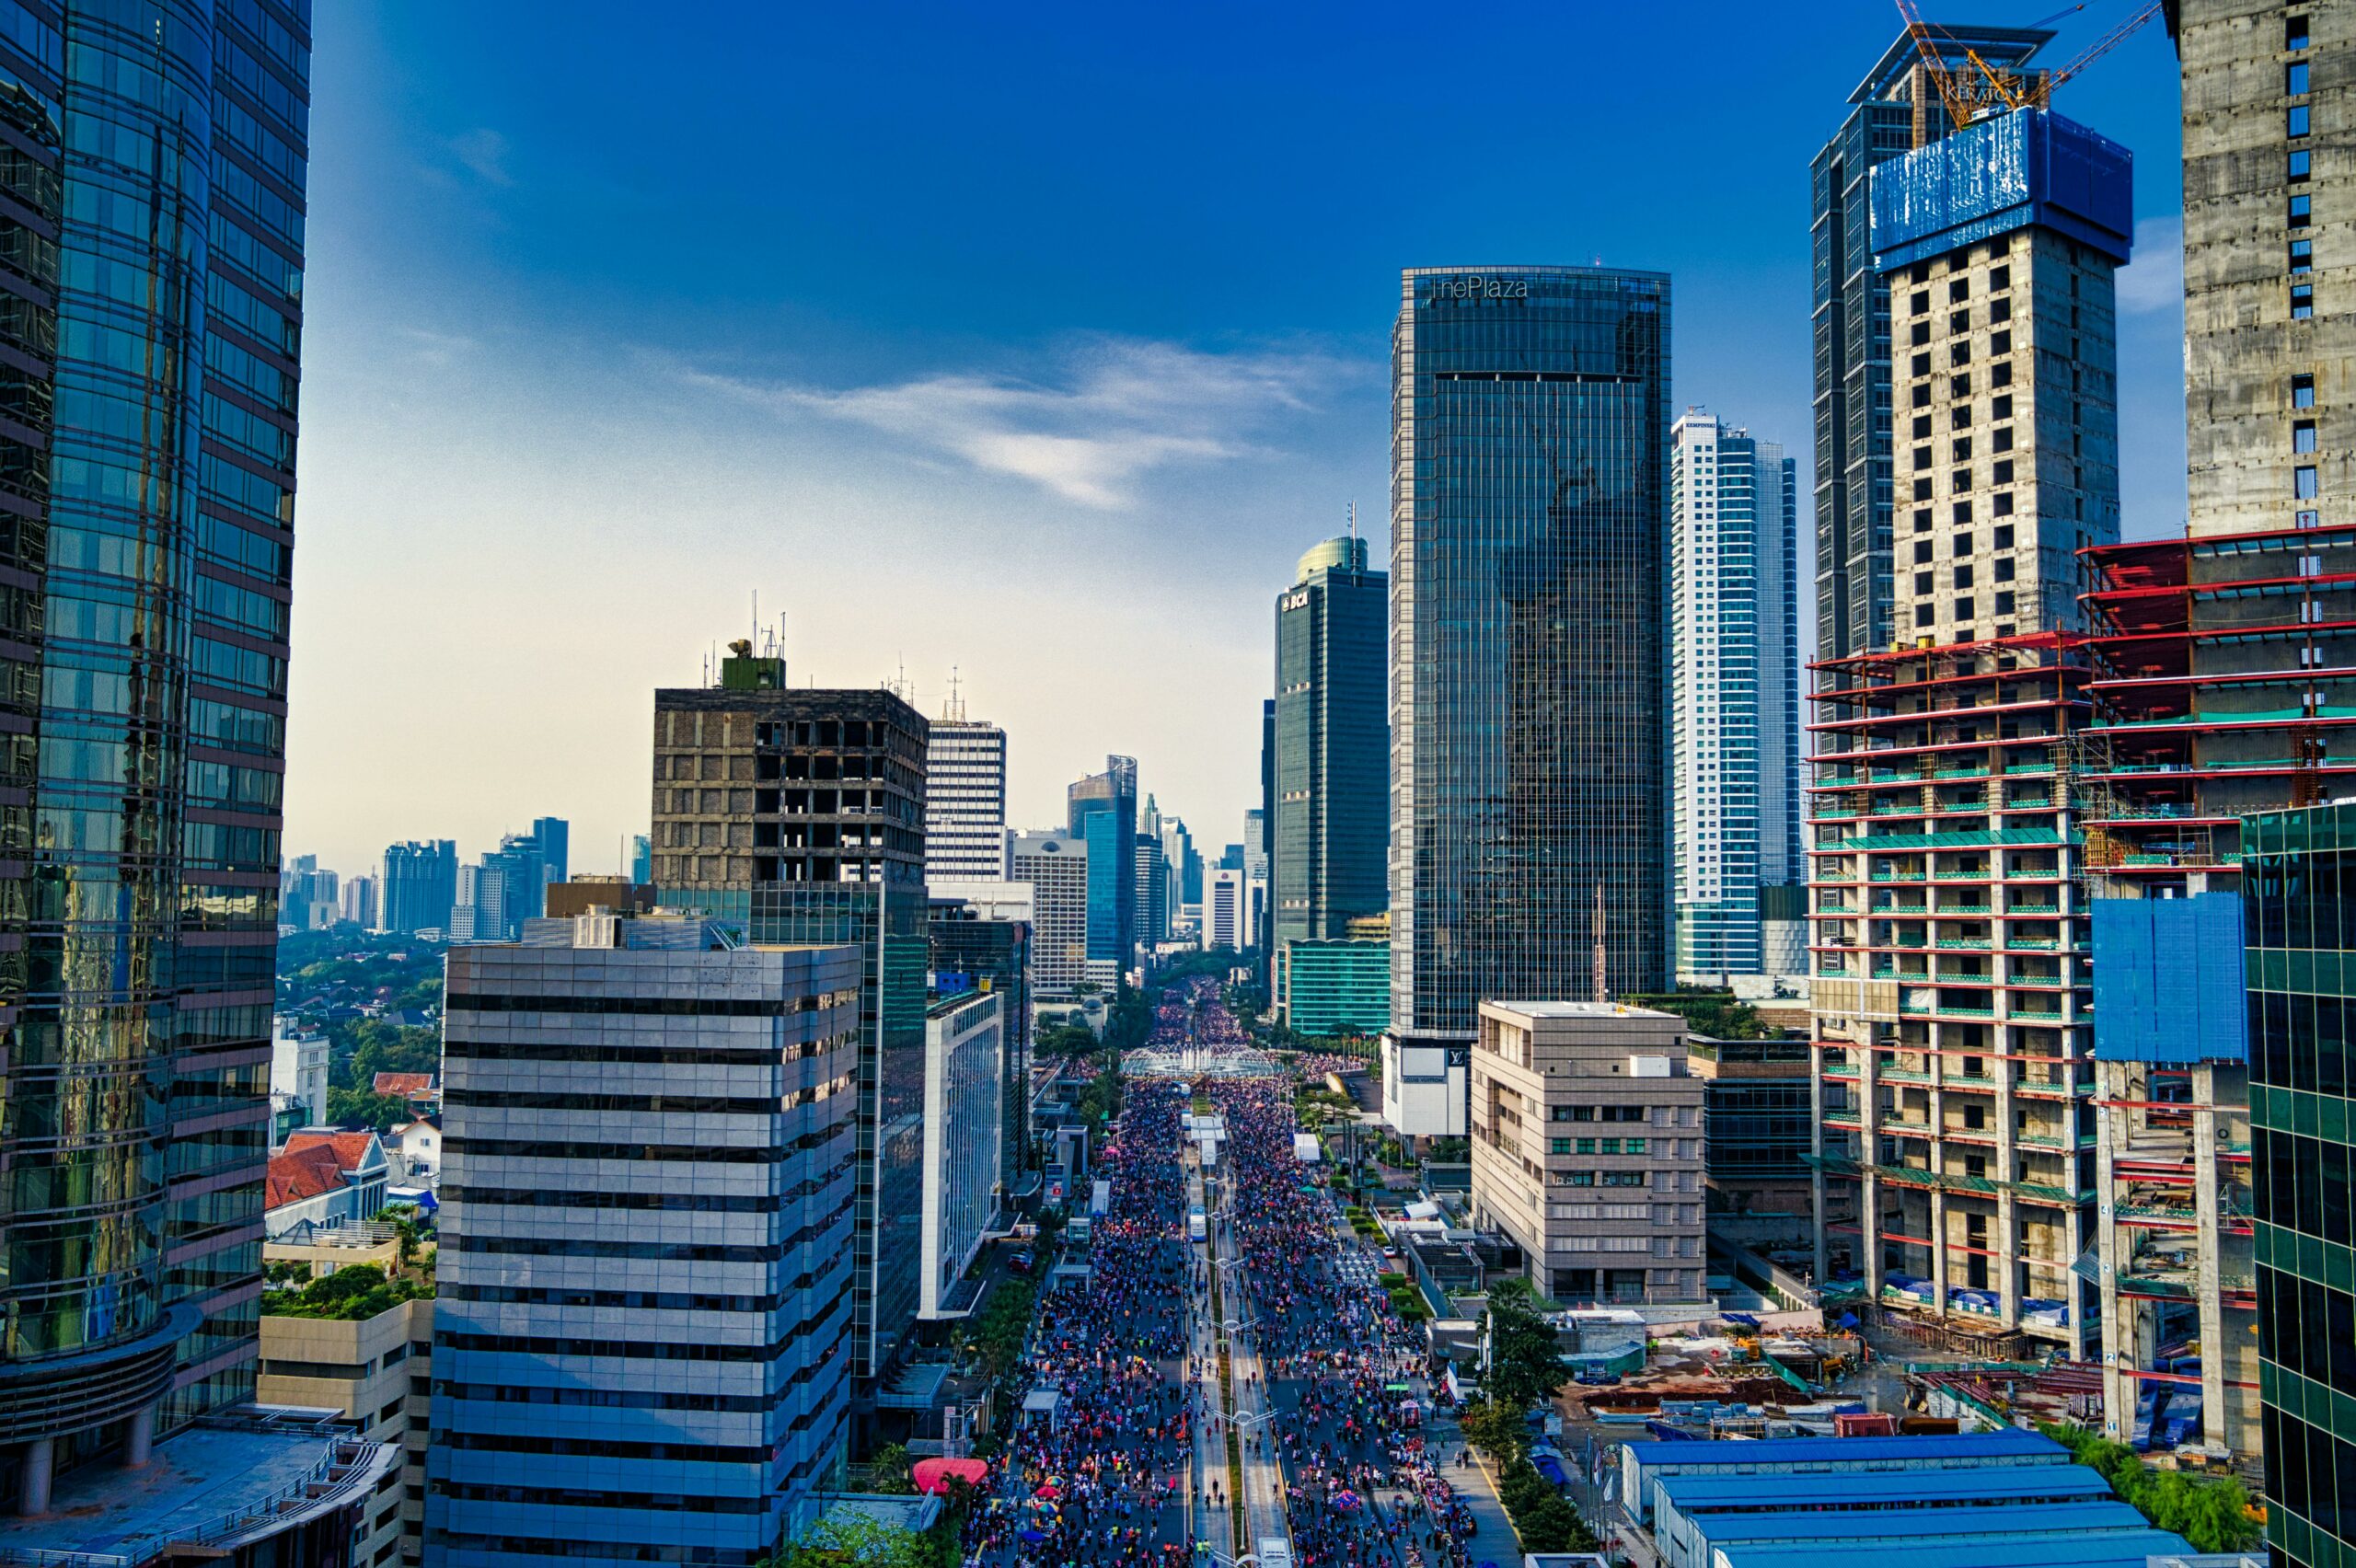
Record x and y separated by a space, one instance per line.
2153 278
1113 411
484 152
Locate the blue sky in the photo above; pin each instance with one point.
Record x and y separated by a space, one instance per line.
1035 340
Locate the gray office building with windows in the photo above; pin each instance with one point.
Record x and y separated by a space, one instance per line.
642 1333
1528 687
797 816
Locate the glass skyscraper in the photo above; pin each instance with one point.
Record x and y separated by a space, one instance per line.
1529 548
150 227
1104 815
1331 756
1894 109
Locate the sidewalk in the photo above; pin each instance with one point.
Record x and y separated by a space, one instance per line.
1494 1539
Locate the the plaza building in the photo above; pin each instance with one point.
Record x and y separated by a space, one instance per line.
152 233
642 1340
1894 109
1054 867
796 817
964 1093
1529 554
1330 759
965 799
1587 1149
1733 690
1954 1153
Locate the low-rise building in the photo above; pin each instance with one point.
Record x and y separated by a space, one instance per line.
1757 1125
1337 985
299 1067
1587 1148
378 1372
324 1178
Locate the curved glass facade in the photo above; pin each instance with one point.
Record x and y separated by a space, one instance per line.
152 157
1529 552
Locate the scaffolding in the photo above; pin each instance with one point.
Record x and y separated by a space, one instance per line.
1951 1043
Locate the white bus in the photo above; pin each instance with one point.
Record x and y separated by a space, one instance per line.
1275 1552
1197 1223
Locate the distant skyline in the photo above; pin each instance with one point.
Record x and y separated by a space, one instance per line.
1036 343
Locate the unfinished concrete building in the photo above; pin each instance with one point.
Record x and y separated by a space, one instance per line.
2224 669
1950 1022
2269 198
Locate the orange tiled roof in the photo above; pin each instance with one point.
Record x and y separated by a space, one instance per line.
301 1173
411 1085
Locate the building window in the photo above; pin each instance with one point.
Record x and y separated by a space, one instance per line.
1921 490
2307 519
1921 395
2303 483
1922 584
2303 391
2003 440
2303 301
2295 78
1922 552
1960 355
1962 449
1963 575
2004 504
1960 289
2000 310
1922 457
1922 520
1962 513
1922 364
2002 473
2004 538
2001 374
2301 160
1922 334
2003 574
2303 256
1960 386
1960 321
2294 32
1921 302
2294 123
1963 609
2302 210
2302 436
2004 602
1921 427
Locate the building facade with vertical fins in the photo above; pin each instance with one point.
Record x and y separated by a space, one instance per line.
152 204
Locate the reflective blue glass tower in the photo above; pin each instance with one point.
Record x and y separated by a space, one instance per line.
151 167
1529 691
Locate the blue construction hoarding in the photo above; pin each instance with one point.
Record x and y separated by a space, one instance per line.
2168 980
2007 172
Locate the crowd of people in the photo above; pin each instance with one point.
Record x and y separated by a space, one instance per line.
1101 1483
1364 1486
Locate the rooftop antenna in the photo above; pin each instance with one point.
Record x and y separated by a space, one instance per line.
757 616
953 707
1602 991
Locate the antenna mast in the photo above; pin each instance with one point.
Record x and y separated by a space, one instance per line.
954 706
1602 993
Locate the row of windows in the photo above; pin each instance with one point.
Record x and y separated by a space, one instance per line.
606 1448
686 1006
582 1149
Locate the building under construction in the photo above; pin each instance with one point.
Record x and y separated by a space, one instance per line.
1953 1074
2224 683
1951 1037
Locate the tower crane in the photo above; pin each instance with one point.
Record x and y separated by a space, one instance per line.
1978 86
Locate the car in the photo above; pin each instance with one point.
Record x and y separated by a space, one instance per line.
1022 1262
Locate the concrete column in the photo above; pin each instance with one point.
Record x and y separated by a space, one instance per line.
39 1469
139 1438
2005 1235
2113 1127
2210 1246
1938 1233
